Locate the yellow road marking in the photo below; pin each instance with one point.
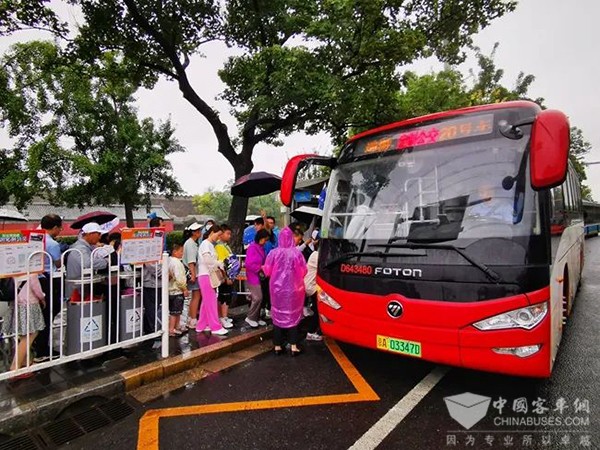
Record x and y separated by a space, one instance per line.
148 431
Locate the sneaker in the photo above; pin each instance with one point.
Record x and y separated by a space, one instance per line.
41 359
262 323
307 311
192 323
220 332
314 337
228 319
251 322
267 313
225 323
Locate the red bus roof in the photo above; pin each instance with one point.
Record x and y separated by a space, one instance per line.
444 114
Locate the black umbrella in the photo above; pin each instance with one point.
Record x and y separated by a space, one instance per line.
255 184
99 217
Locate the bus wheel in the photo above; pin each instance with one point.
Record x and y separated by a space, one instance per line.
566 297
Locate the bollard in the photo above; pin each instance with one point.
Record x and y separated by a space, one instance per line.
165 306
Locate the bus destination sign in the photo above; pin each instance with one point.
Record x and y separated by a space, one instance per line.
430 134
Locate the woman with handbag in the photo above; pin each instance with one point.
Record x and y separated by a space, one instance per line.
210 276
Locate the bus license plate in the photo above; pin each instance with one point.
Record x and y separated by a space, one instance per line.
399 346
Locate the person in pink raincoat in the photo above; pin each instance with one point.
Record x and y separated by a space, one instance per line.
286 267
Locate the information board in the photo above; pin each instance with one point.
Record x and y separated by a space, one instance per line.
141 245
15 248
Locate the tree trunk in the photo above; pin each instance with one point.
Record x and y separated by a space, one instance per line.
129 214
237 217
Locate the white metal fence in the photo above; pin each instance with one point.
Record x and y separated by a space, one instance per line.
100 309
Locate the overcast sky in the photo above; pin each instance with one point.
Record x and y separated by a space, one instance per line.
551 39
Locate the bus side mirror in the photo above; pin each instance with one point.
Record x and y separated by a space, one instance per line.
290 174
550 141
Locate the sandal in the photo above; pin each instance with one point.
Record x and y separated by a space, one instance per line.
22 376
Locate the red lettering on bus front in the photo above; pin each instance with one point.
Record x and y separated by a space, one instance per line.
359 269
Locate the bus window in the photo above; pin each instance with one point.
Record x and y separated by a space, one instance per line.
558 206
568 190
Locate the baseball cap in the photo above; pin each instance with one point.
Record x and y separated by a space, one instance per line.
152 215
195 226
92 227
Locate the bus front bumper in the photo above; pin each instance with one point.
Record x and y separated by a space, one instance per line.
491 351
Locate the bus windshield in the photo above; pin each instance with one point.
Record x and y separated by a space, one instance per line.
455 192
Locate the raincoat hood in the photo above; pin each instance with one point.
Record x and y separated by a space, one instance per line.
286 238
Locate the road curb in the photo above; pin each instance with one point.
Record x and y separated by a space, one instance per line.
158 370
39 412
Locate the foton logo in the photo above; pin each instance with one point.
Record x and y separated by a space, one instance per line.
399 272
467 408
395 309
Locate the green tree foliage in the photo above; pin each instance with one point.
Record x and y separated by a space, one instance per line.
17 15
216 203
298 65
487 86
77 137
448 89
577 153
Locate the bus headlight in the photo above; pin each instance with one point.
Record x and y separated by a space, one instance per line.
521 352
323 297
526 318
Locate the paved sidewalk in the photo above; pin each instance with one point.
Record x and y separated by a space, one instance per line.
31 402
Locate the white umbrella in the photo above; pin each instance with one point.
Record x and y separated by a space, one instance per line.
108 226
306 214
308 210
11 215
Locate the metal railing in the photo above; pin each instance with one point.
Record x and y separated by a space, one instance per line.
104 310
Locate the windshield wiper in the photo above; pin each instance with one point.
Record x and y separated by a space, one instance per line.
351 255
493 276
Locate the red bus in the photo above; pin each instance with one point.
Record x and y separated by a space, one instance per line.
455 237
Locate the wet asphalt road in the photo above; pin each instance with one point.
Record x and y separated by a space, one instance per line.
572 394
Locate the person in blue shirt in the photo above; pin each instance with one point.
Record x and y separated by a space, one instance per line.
250 231
492 207
273 233
52 224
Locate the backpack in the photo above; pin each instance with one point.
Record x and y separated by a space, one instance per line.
232 267
7 289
